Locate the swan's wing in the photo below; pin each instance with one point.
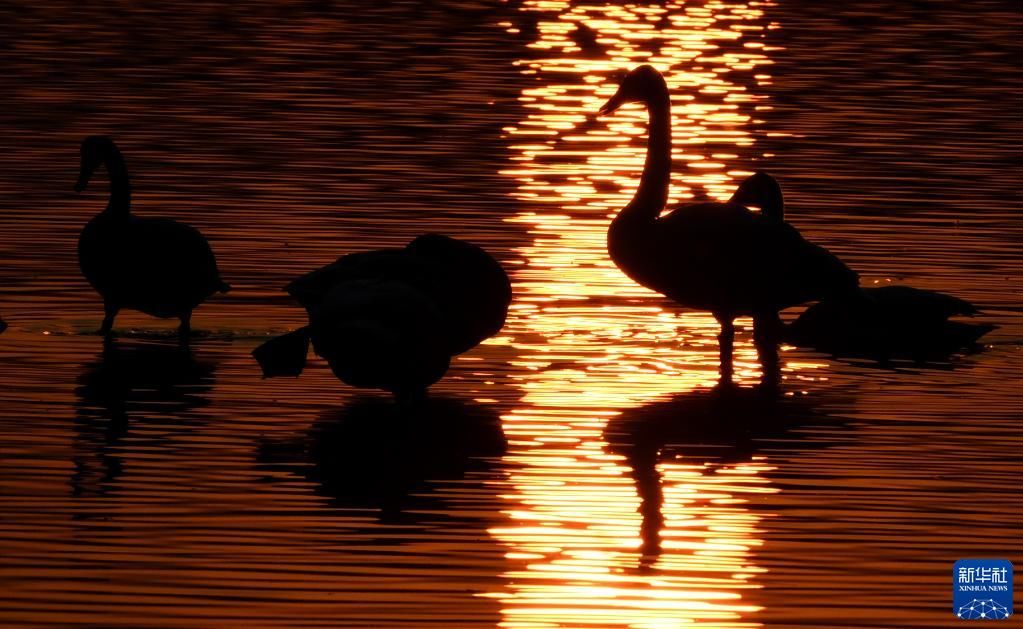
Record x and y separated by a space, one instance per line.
369 266
468 284
164 252
709 216
792 270
746 258
718 236
387 334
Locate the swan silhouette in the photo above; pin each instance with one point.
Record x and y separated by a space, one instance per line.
716 428
888 322
155 265
392 319
719 257
586 39
126 386
378 455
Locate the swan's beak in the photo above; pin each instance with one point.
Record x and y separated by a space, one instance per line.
612 105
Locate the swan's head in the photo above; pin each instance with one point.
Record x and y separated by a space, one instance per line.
636 87
761 190
95 150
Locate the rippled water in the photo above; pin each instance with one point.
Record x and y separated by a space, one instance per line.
580 470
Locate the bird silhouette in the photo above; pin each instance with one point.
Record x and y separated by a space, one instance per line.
392 319
718 427
888 322
585 38
377 455
124 385
155 265
720 257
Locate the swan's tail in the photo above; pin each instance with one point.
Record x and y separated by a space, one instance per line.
967 334
284 355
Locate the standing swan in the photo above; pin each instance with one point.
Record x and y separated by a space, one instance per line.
156 265
720 257
392 319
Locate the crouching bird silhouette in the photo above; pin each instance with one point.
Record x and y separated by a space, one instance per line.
720 257
888 322
392 319
380 456
155 265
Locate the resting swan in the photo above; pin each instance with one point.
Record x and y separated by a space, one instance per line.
392 319
156 265
888 322
720 257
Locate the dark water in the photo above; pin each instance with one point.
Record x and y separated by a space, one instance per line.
579 470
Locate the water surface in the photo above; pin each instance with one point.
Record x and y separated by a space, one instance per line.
580 470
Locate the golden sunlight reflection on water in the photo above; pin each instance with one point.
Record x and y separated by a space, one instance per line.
593 343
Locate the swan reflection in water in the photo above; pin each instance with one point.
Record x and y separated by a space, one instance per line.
126 384
717 428
375 454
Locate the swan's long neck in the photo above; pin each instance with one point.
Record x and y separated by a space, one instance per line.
120 185
652 194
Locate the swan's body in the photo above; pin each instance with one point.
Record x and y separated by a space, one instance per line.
155 265
392 319
720 257
725 258
886 322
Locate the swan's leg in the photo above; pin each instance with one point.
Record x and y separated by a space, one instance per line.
767 328
185 329
725 340
109 313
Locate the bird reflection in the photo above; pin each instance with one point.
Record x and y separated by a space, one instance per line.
722 426
585 38
128 383
376 454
